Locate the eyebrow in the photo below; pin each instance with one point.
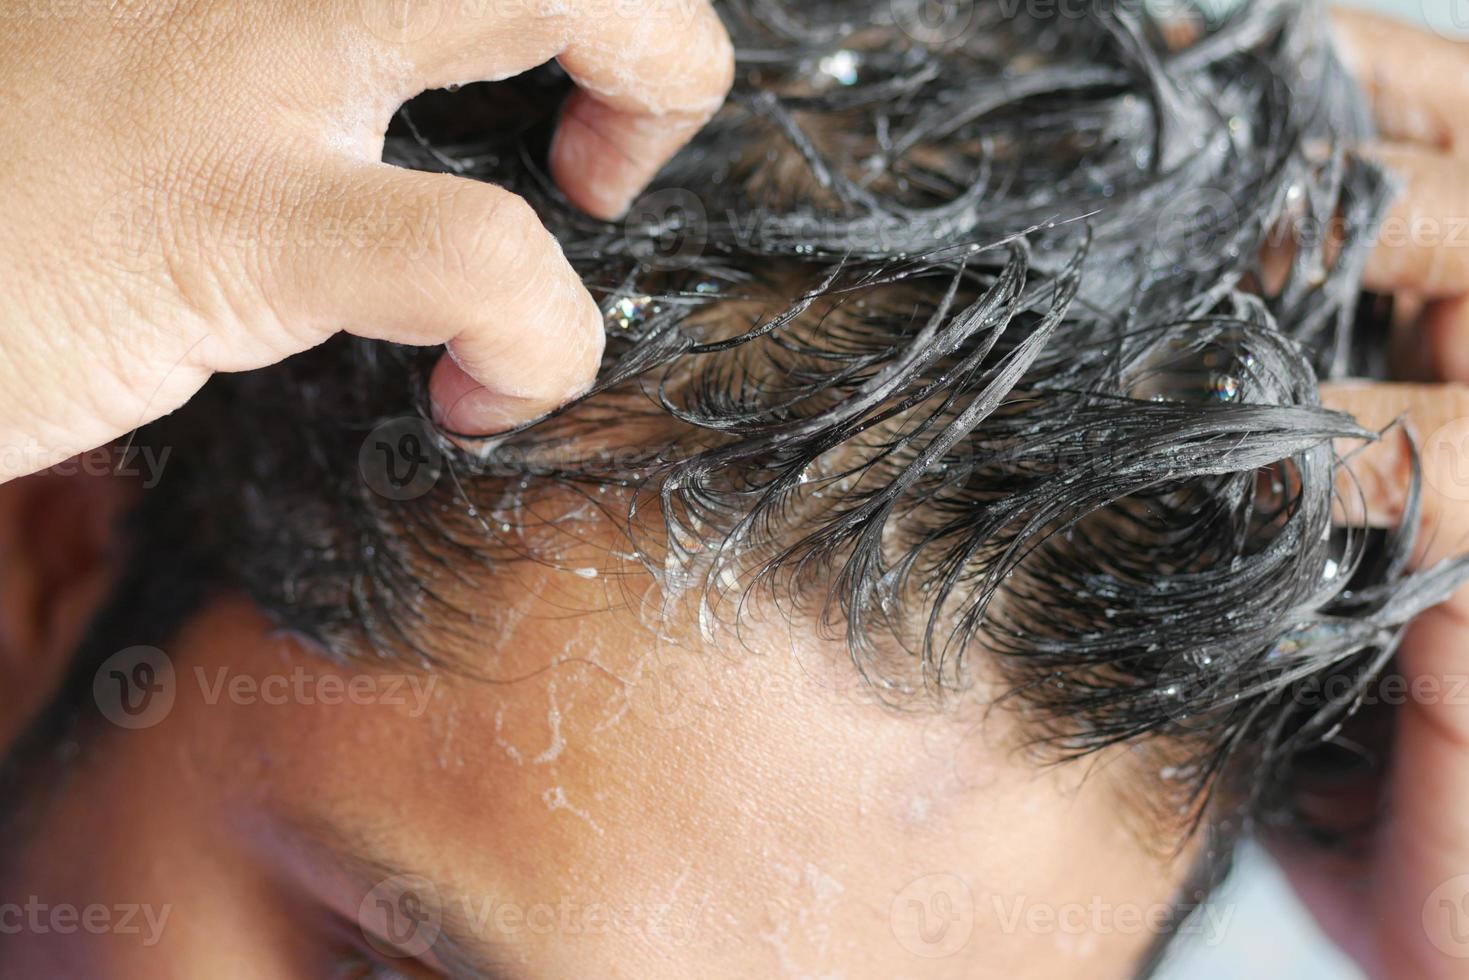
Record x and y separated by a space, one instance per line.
459 949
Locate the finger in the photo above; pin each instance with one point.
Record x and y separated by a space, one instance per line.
1423 853
1430 341
647 84
650 73
424 259
1422 244
1424 849
1442 338
1375 485
1417 82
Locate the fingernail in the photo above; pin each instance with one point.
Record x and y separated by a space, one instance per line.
482 412
616 207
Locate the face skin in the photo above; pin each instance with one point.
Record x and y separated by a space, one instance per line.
612 802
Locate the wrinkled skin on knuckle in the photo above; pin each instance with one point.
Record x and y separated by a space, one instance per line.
586 346
519 296
137 356
500 237
494 252
141 135
259 227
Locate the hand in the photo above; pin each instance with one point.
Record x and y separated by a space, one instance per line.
198 187
1403 910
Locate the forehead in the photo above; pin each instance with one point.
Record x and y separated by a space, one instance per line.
740 803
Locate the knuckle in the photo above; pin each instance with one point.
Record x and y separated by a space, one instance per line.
571 346
586 343
501 227
572 355
490 236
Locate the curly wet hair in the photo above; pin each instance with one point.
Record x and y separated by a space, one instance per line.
958 337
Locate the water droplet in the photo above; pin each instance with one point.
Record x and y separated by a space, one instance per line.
630 311
841 66
1224 387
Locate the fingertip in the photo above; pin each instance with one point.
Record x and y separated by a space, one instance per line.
463 406
1419 245
592 164
647 81
602 158
1445 328
480 392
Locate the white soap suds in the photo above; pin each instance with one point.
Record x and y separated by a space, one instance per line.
555 799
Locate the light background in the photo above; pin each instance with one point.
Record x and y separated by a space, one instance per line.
1269 935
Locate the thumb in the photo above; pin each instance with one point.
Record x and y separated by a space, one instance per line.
1418 889
424 259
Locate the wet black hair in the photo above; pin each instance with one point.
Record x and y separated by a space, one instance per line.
952 332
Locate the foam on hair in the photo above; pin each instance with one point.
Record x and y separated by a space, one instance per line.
956 340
